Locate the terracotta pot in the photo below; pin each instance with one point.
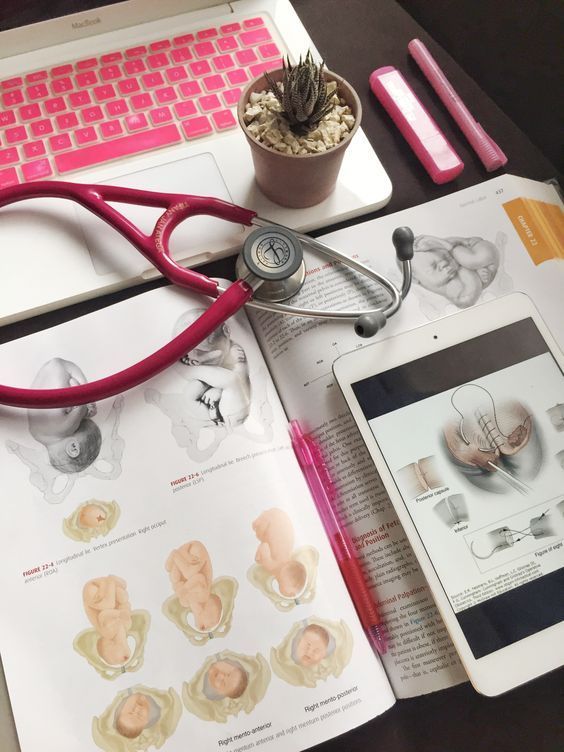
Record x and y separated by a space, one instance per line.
298 180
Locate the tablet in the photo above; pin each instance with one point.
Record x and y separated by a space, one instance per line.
464 419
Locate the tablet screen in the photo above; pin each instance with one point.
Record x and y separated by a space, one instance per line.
474 438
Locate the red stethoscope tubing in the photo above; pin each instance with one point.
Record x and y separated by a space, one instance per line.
177 207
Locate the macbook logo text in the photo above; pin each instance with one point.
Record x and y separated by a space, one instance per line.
87 22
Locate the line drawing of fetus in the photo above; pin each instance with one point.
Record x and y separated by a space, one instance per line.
201 607
457 269
313 650
116 642
138 718
215 400
226 684
496 446
73 444
285 575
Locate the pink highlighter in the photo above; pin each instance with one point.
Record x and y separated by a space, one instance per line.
415 124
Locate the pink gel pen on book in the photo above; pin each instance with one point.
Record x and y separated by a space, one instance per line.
323 491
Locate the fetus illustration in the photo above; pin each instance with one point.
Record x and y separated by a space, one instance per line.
201 607
313 650
419 477
284 574
217 398
116 642
70 442
225 685
506 537
138 719
495 445
91 519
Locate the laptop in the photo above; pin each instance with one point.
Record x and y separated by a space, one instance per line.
141 94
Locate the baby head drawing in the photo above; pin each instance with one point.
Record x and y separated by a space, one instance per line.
225 685
91 519
286 575
137 719
213 350
313 650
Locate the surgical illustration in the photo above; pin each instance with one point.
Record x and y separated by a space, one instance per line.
285 575
506 537
91 519
73 444
418 477
556 416
138 718
217 398
116 642
313 650
201 607
495 445
226 684
452 510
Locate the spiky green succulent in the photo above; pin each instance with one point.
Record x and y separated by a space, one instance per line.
302 94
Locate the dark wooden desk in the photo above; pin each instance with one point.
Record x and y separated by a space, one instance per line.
356 36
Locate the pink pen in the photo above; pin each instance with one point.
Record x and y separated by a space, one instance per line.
322 489
485 147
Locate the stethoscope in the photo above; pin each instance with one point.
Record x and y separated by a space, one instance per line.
270 270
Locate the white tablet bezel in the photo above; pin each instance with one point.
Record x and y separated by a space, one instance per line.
529 657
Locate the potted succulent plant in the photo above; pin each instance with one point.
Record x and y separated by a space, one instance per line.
298 121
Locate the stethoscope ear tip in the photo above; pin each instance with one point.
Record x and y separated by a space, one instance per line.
370 324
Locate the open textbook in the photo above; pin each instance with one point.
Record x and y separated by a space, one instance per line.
164 575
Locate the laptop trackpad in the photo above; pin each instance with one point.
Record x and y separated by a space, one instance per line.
196 240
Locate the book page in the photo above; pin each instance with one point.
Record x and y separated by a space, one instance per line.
165 578
483 242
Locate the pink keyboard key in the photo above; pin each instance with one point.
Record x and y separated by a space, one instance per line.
256 70
103 93
117 107
163 44
267 51
85 135
166 94
196 127
213 83
60 142
231 97
251 23
141 101
62 85
55 105
128 86
200 68
111 129
181 55
41 128
160 115
182 40
8 178
9 156
10 83
136 51
91 62
185 109
250 38
223 62
159 60
61 70
34 149
33 78
89 78
16 134
151 80
119 147
204 49
131 67
37 91
178 73
190 89
227 44
41 168
12 98
29 112
209 102
7 117
79 98
230 28
91 114
66 121
111 57
136 122
206 33
238 76
224 120
246 57
110 73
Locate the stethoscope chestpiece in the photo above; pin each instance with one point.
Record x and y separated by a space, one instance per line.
274 255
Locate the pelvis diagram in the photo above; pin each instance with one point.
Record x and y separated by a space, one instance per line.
495 445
